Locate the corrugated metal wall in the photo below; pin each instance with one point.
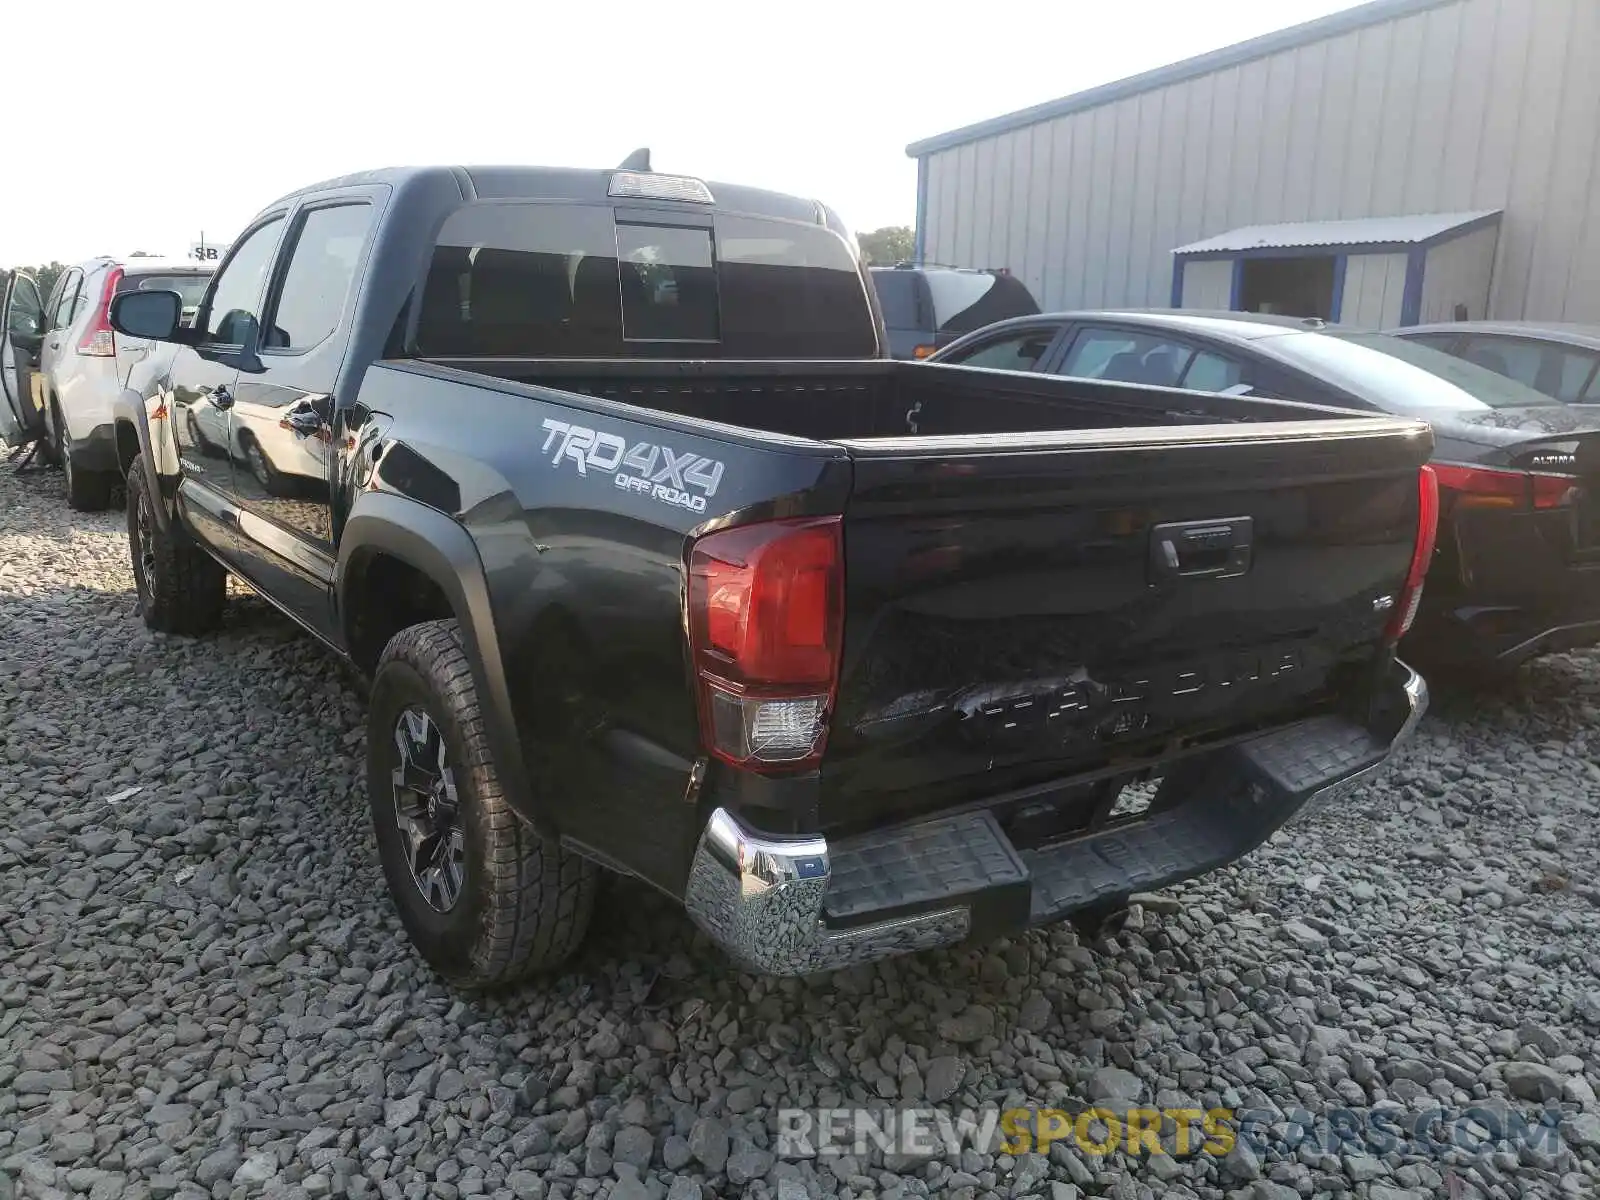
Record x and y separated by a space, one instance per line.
1208 283
1374 290
1459 272
1476 104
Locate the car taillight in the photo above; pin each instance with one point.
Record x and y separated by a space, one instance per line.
99 339
1482 487
766 618
1405 611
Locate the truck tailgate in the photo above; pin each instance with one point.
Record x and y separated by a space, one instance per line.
1022 608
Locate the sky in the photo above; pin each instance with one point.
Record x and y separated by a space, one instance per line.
217 110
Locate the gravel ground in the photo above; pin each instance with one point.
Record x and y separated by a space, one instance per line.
204 990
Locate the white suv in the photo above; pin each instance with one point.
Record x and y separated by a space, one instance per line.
84 364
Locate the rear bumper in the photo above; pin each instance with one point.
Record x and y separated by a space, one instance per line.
793 906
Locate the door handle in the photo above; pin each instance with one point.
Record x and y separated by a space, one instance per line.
55 345
221 398
303 421
1218 549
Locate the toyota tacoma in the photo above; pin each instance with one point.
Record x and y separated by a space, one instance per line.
659 565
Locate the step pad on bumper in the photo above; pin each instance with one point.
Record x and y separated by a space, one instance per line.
1225 805
922 863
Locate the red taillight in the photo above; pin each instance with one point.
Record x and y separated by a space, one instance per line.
766 615
1405 610
1482 487
99 339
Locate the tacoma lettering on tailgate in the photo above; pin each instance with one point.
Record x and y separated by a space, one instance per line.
685 480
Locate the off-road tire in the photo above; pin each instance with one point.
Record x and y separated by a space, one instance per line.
525 902
181 588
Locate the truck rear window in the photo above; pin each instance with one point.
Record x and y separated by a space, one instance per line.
530 280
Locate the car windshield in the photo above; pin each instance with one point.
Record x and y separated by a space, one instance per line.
191 287
1402 376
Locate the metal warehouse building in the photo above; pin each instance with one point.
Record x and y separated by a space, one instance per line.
1402 161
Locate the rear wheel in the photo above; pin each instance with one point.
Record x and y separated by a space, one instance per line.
87 491
485 898
181 587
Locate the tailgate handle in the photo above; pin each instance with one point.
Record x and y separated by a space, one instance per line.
1217 549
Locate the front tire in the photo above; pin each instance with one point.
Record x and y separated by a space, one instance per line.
181 588
484 897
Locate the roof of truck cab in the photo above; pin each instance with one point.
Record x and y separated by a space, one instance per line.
560 183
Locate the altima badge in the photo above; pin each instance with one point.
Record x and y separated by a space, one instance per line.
1383 604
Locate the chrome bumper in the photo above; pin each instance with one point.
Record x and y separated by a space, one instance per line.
761 897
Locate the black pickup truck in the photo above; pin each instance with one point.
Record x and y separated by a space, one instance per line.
658 565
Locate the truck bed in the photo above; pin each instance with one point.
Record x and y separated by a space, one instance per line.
840 401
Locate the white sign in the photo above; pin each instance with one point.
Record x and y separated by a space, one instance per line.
208 251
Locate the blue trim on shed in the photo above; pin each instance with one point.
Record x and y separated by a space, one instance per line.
1236 287
1177 283
920 234
1333 25
1411 298
1340 265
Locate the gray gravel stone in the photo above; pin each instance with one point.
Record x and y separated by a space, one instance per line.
745 1165
708 1142
1113 1083
942 1077
1532 1081
972 1025
634 1146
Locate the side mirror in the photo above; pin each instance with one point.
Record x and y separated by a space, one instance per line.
24 324
153 315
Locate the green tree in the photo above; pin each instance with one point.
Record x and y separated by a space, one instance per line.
889 245
46 277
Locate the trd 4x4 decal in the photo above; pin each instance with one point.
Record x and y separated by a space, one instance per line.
686 480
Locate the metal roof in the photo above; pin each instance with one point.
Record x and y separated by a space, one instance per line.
1416 229
1347 21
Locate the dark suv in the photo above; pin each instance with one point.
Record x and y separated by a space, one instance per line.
927 307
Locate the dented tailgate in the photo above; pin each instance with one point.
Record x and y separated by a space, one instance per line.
1027 608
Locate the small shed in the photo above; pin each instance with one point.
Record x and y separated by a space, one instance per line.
1375 272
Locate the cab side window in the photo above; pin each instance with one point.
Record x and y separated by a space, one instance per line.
321 270
236 296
